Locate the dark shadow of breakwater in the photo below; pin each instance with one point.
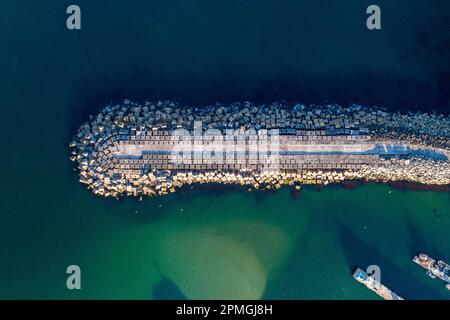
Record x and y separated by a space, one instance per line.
283 287
167 290
360 254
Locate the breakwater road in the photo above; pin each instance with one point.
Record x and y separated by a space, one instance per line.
153 149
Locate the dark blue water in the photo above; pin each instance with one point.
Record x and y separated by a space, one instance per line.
199 52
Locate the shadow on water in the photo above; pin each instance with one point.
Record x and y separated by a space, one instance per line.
287 287
167 290
418 244
360 254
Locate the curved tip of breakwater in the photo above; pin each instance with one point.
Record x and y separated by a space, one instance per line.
154 148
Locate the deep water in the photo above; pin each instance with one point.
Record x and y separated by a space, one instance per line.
212 242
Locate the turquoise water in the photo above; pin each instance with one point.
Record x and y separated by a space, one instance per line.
211 242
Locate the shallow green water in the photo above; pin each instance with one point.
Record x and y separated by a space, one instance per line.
225 243
233 244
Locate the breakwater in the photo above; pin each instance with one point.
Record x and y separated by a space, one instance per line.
154 148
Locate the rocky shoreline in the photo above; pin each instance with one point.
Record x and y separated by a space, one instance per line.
427 133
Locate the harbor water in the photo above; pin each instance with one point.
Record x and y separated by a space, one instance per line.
211 241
